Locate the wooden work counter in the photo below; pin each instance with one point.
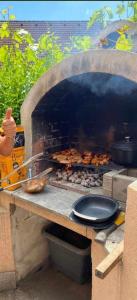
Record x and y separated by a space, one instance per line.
53 204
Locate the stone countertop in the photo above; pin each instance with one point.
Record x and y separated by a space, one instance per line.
55 199
60 201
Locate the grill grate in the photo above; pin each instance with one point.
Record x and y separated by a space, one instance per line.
100 169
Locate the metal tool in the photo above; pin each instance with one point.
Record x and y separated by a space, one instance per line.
30 173
45 172
103 234
28 161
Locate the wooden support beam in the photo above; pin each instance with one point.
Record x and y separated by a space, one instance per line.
110 261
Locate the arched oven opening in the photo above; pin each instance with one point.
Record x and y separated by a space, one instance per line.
88 113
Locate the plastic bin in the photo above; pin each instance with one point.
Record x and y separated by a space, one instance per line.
70 252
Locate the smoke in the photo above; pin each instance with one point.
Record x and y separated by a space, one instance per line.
101 84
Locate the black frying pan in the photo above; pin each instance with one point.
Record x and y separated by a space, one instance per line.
95 208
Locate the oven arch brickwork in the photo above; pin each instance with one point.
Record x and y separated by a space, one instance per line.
105 61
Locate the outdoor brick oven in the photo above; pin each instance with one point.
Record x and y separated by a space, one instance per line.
89 100
75 94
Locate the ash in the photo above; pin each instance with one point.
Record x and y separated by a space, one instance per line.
84 178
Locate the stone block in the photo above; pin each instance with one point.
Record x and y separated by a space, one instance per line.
7 281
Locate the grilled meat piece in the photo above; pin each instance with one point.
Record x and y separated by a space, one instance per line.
71 156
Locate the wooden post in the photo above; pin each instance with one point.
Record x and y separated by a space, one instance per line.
129 278
109 287
7 266
106 266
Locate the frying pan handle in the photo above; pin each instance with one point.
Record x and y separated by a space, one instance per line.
81 216
93 219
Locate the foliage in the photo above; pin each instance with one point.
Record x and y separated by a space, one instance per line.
81 43
6 15
132 5
120 10
22 62
105 14
123 29
123 43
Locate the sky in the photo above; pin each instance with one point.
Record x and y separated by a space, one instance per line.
55 10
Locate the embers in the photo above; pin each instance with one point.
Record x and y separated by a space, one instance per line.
82 177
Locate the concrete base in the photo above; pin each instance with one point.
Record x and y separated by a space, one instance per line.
48 284
7 281
29 244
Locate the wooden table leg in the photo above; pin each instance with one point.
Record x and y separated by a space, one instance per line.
109 287
7 266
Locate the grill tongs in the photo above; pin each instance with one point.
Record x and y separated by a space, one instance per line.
27 162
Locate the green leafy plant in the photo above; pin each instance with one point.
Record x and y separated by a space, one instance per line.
81 43
132 8
6 15
123 43
22 62
104 15
120 10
